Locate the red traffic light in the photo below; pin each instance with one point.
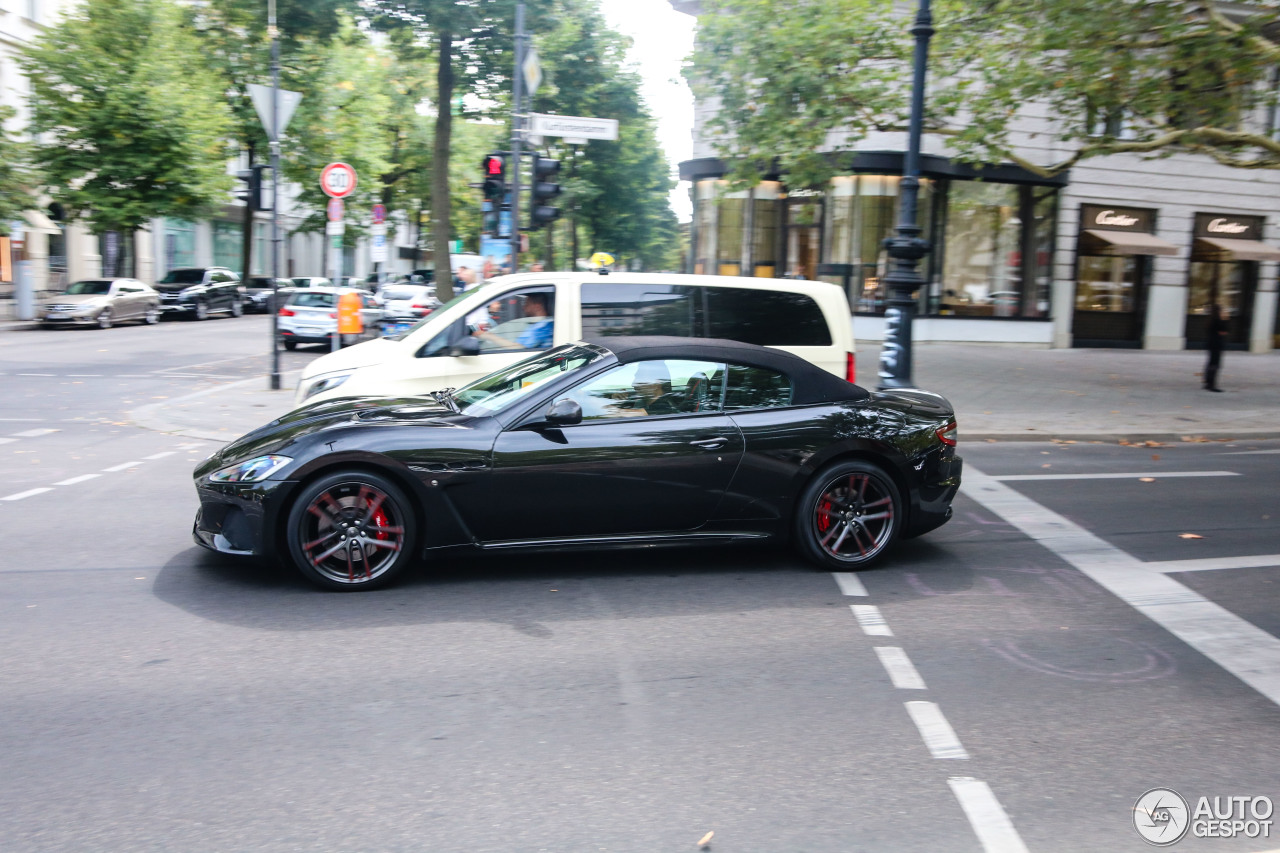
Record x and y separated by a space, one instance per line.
494 166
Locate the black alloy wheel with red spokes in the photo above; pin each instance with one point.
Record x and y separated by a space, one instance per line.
351 530
849 515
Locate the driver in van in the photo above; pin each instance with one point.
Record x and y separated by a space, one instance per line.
537 335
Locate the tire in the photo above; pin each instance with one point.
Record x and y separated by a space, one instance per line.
201 311
291 345
848 516
104 319
368 513
237 308
152 315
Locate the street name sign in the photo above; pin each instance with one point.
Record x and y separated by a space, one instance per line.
338 180
578 127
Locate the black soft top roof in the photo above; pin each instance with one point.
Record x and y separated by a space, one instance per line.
810 383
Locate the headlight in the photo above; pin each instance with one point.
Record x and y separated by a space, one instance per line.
251 471
325 383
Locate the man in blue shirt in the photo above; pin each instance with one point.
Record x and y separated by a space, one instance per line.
539 334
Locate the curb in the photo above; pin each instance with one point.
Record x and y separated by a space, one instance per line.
1188 437
151 416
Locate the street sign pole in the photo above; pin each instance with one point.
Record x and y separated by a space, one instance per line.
517 136
274 32
338 180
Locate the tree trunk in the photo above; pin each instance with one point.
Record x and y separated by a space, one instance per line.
246 232
441 229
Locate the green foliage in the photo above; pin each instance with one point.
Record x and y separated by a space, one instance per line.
15 182
798 79
131 125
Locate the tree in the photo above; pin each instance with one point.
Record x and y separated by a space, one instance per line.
130 125
15 182
798 79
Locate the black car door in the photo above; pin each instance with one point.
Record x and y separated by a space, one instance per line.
653 453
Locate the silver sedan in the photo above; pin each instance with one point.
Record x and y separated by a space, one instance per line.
101 302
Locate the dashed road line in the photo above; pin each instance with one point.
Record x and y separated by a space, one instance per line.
987 817
1012 478
849 583
7 440
902 673
115 468
45 375
33 433
28 493
1241 648
1208 564
161 455
938 735
871 620
82 478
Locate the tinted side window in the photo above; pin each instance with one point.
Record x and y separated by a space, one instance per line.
756 388
765 317
631 309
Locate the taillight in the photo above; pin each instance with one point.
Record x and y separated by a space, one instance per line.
947 434
286 312
850 368
333 315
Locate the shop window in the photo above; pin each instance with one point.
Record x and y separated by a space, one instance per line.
227 244
981 275
764 229
116 251
705 229
260 248
179 244
730 229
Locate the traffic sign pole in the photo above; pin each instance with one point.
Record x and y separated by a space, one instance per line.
517 137
338 180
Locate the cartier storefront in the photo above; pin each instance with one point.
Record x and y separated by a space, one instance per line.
1114 255
1225 254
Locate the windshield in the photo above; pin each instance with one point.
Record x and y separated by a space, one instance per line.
312 299
497 391
89 288
183 277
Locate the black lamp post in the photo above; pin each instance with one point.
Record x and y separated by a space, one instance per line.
906 249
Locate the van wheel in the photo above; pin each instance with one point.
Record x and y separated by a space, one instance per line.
848 516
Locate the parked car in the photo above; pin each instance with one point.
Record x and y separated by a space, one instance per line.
199 292
611 442
258 292
405 304
310 281
101 302
310 316
489 327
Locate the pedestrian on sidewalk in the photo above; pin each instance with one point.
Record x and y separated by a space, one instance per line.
1215 340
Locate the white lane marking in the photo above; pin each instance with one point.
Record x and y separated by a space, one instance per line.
901 672
35 374
1208 564
82 478
871 620
936 731
203 363
1248 453
987 817
28 493
115 468
7 440
1009 478
83 375
160 455
1239 647
850 584
33 433
191 445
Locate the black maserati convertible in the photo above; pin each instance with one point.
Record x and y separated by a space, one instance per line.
611 442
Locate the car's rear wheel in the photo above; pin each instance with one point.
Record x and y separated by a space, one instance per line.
104 319
291 345
351 530
849 515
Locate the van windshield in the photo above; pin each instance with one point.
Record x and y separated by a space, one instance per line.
409 331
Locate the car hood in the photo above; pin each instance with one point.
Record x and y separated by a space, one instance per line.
73 299
295 433
370 352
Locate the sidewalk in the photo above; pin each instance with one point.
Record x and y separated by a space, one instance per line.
1000 393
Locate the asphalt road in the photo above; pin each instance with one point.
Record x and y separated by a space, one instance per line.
159 697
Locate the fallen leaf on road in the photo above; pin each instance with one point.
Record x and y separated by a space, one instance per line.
1155 457
1153 444
1046 465
1146 479
991 441
706 839
1196 439
1190 536
1126 442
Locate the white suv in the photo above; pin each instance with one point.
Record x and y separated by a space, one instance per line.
508 319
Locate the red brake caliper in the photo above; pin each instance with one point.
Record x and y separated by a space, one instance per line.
824 516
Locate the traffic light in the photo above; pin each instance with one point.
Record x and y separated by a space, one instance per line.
495 178
544 190
251 193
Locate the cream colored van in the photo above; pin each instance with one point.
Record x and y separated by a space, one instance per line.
508 319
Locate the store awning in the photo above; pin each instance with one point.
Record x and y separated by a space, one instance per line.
38 222
1242 250
1134 242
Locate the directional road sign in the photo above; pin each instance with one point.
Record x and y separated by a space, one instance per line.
579 127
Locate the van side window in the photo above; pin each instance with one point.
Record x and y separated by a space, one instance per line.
516 321
755 388
638 309
765 317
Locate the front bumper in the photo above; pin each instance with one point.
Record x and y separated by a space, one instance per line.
70 319
239 519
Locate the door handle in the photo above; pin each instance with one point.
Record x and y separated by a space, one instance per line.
711 443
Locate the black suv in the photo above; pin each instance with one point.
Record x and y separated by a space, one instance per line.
200 291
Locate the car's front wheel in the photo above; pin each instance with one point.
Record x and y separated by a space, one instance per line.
104 319
849 515
351 530
202 310
237 308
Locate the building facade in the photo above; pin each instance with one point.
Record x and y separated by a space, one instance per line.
1119 252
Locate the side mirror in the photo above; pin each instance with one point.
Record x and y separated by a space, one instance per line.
564 412
465 346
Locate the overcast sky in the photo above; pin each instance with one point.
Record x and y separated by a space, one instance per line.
663 39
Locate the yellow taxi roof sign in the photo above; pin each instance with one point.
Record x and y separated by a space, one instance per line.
601 259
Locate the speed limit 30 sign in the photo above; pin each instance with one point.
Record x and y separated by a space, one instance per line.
338 180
